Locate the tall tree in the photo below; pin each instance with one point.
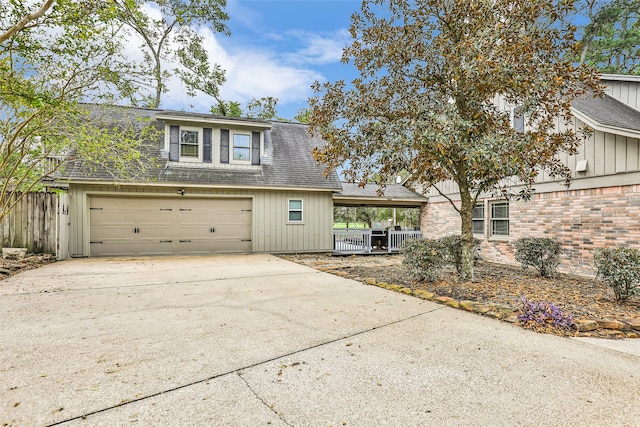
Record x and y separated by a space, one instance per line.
430 73
262 108
52 56
172 36
303 115
227 108
611 39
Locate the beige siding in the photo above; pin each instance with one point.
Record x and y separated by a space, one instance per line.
271 233
606 154
625 92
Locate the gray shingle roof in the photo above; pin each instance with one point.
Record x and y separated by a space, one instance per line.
608 111
369 191
287 162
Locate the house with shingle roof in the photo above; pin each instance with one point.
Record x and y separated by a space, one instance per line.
601 207
217 185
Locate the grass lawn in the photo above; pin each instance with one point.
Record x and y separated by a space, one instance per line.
351 225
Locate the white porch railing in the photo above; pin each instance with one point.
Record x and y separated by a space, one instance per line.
360 241
352 241
397 238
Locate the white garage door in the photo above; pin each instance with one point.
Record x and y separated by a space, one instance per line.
169 226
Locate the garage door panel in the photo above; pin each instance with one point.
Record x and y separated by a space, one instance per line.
113 247
152 247
233 245
232 231
153 226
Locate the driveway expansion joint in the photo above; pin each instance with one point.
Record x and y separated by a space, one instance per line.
238 371
144 285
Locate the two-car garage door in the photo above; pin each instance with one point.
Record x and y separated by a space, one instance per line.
169 226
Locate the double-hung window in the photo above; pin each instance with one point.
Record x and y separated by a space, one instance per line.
189 143
242 147
500 219
478 219
294 208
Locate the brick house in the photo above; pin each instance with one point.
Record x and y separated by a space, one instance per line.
601 208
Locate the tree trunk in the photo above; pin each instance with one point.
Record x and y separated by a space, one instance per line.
466 216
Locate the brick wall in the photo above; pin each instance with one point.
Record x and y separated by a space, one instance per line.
581 219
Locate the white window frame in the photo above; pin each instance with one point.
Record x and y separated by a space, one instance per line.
232 148
290 210
493 219
475 219
200 143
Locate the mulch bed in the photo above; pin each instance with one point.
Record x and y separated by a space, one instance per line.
10 266
583 297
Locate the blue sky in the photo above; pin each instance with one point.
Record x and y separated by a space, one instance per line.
277 48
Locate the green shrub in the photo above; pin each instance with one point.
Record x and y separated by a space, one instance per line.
620 269
424 257
541 253
453 245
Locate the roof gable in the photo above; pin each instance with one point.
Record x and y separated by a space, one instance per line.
608 115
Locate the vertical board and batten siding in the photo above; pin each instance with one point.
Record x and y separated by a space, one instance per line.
274 233
270 230
627 92
606 154
31 223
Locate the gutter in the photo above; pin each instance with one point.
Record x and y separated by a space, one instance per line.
203 186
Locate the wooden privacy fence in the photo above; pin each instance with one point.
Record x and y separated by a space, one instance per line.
32 223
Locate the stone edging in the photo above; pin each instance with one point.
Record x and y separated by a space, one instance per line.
629 328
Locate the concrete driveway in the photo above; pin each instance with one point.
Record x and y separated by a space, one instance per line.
255 340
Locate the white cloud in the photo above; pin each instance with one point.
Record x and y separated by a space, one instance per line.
250 73
253 70
321 49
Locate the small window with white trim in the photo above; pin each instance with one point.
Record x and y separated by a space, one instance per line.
500 219
242 147
189 143
295 213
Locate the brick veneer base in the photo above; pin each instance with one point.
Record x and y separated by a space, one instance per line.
582 220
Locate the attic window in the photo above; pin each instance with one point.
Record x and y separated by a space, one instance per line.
242 147
189 143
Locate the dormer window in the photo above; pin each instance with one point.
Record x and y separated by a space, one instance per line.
189 143
242 147
216 147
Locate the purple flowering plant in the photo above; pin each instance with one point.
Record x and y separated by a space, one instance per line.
543 315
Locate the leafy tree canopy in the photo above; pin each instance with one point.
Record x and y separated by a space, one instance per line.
52 56
611 40
262 108
431 72
170 37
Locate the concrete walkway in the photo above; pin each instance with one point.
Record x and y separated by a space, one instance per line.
255 340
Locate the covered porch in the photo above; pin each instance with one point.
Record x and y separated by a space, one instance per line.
368 223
